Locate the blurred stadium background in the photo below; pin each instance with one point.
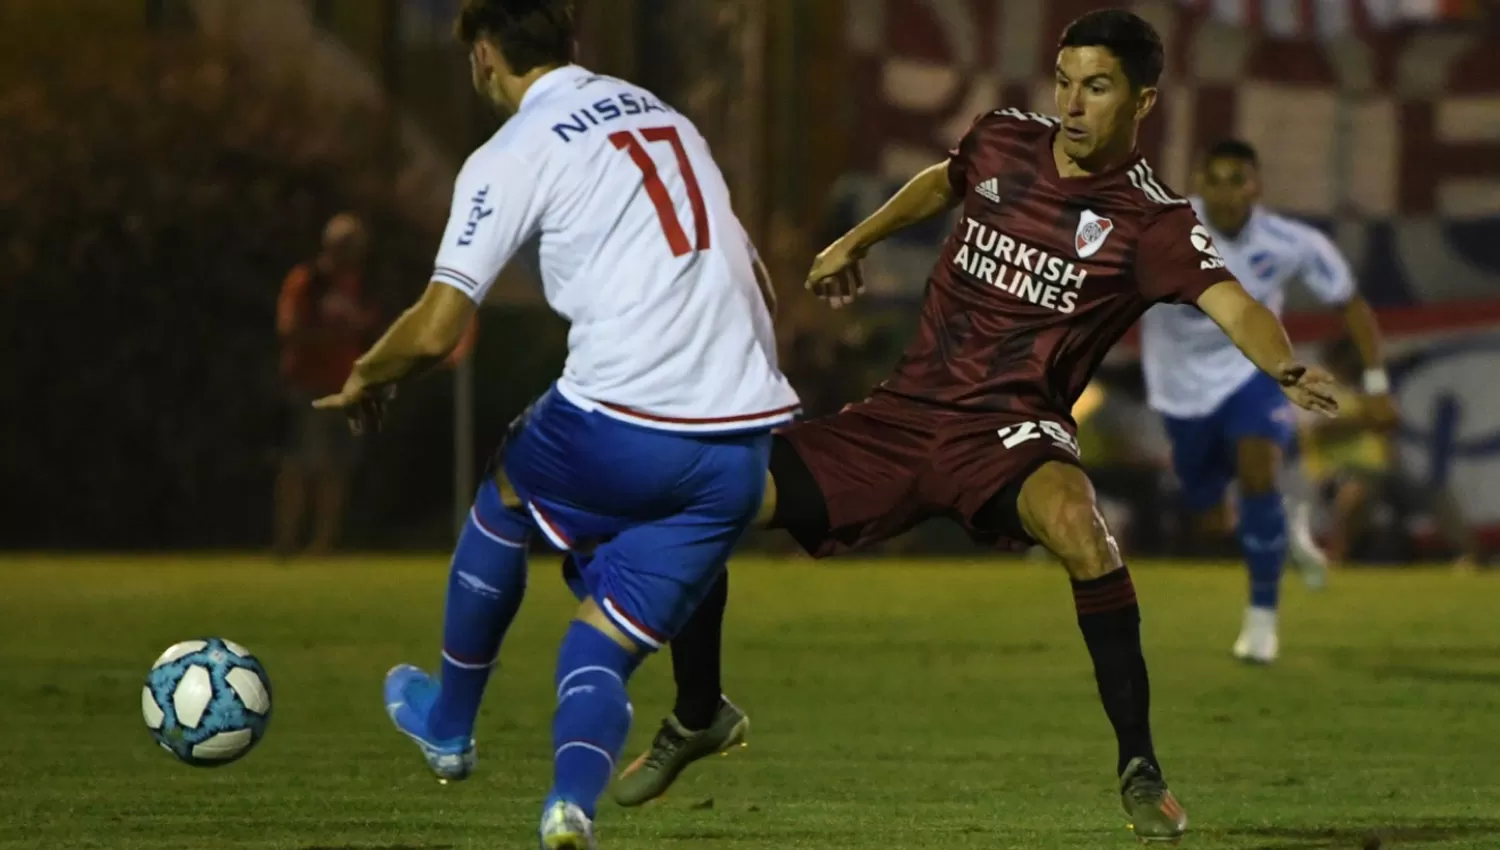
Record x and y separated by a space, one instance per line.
166 162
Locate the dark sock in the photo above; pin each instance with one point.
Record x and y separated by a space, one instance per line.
696 662
1111 623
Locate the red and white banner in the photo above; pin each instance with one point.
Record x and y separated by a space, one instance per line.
1392 142
1331 19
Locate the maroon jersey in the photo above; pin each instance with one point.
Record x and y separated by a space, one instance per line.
1043 274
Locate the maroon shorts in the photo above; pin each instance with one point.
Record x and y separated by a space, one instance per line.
888 463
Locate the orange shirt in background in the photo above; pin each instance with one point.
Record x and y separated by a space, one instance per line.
323 324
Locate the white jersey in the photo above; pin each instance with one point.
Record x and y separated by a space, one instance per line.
639 250
1191 367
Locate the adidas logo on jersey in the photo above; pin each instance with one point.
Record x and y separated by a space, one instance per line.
989 190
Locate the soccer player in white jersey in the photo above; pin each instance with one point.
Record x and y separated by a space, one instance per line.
1225 419
650 452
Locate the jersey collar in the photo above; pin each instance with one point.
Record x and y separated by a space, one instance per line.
554 79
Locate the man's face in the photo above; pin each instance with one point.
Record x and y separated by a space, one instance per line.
1229 186
1099 110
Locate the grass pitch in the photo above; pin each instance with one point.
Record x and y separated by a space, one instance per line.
894 705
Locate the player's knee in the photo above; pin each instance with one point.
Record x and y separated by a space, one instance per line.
497 519
1088 550
1057 509
589 612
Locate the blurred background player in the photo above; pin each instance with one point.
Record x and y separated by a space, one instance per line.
1353 458
324 320
1227 420
1065 238
650 452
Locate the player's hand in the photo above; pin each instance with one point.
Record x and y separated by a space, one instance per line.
835 276
1309 387
363 403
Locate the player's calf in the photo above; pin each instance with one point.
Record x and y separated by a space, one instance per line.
1056 506
486 582
1263 537
593 709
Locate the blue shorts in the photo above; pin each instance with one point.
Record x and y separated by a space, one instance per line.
1205 450
653 514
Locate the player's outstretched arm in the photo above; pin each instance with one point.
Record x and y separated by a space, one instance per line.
421 338
1325 272
833 275
1364 330
924 196
1257 332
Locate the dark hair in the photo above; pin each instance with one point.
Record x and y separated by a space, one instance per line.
1128 36
530 33
1232 149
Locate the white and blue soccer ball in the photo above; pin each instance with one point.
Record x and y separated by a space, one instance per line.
207 701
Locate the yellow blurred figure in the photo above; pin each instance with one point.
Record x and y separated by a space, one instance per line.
1353 452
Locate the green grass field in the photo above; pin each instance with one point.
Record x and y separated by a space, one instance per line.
895 705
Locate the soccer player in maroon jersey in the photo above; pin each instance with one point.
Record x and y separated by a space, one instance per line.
1065 238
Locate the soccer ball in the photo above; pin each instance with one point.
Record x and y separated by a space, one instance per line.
207 701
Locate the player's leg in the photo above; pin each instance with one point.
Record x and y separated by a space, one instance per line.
1055 506
293 475
1258 421
1298 495
336 454
850 455
645 583
590 724
486 582
703 721
1263 534
1204 465
1351 496
290 505
696 661
696 652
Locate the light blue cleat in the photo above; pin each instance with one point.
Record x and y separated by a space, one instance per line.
409 694
566 827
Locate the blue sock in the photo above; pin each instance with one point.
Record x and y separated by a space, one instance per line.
485 586
1263 538
593 714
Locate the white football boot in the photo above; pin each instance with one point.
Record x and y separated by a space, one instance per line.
1257 643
